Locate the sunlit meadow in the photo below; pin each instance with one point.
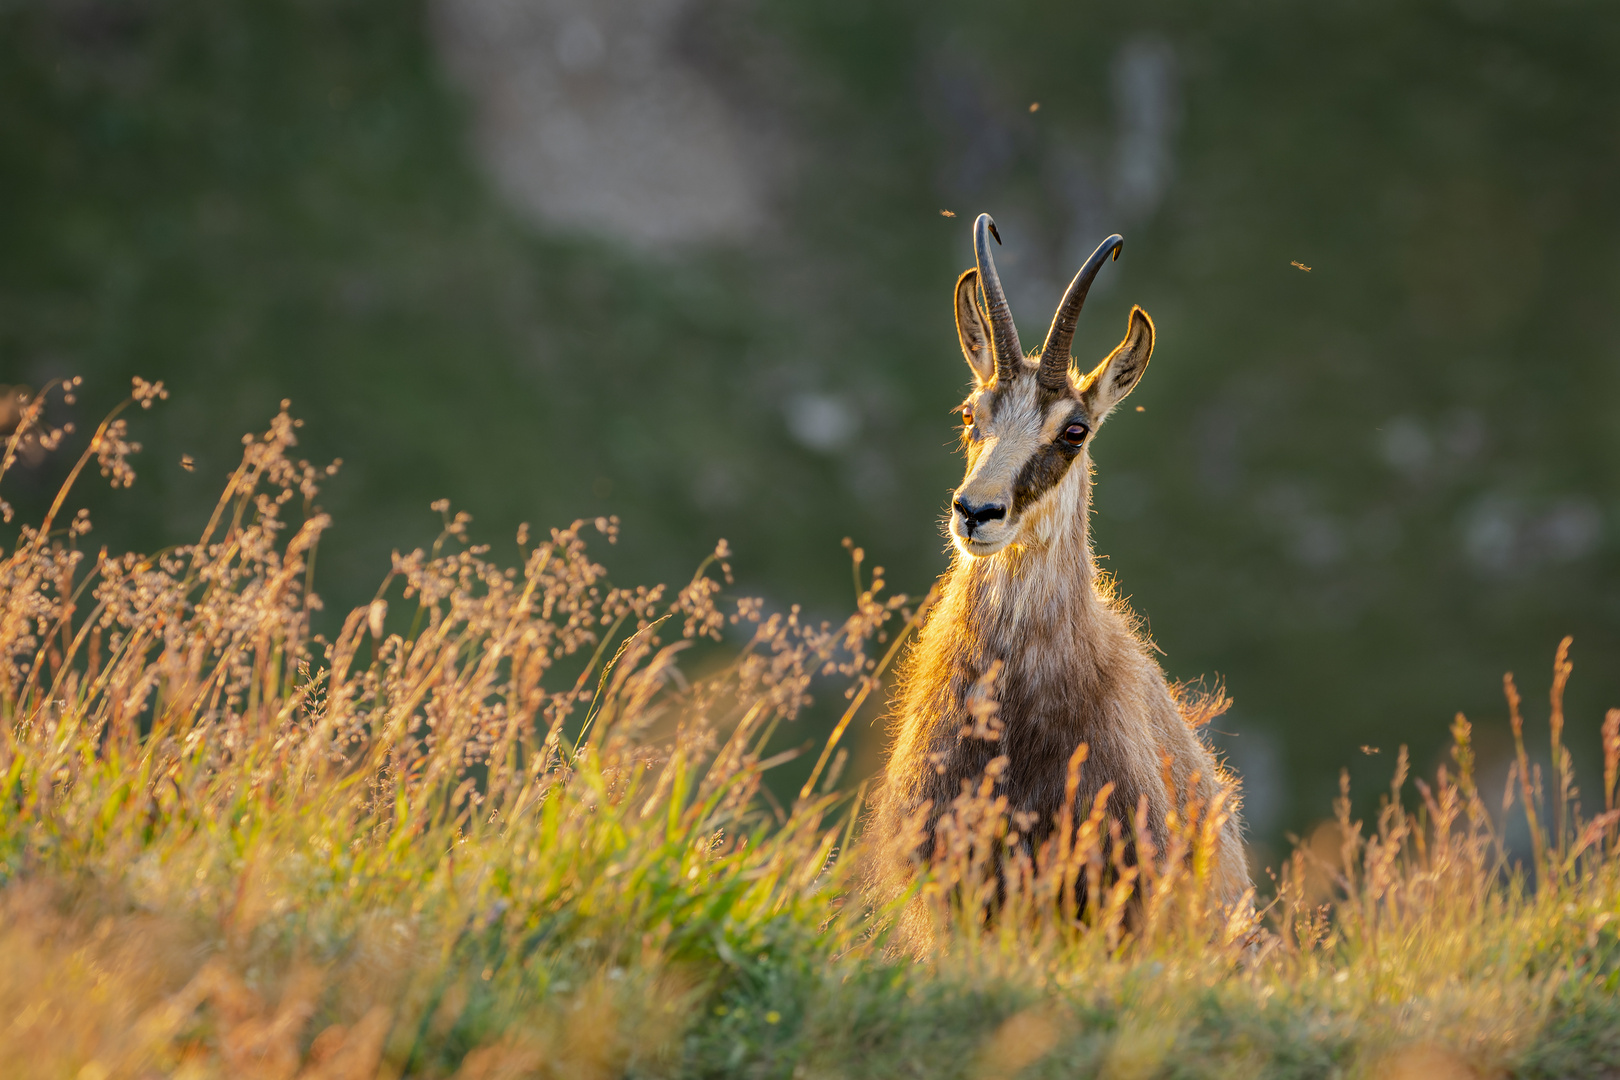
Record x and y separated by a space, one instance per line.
513 821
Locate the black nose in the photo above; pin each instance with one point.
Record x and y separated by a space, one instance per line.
978 515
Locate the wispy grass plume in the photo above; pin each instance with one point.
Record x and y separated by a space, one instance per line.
496 829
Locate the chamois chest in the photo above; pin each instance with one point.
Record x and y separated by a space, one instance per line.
1009 686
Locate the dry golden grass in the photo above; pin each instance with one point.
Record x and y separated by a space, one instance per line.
494 830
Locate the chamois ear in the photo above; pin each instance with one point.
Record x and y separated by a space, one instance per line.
973 327
1116 376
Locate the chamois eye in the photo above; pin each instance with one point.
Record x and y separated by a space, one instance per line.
1075 434
967 415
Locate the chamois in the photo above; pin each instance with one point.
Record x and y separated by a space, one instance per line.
1024 610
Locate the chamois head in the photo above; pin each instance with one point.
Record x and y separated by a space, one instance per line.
1026 424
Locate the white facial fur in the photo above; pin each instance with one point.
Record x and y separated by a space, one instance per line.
1010 430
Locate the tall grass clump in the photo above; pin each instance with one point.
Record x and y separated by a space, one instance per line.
512 821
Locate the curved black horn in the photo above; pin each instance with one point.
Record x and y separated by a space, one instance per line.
1054 373
1004 335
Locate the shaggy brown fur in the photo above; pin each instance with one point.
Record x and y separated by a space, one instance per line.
1024 591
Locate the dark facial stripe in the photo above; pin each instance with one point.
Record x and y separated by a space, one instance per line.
1042 473
1049 397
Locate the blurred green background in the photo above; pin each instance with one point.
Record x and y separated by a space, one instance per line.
685 261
